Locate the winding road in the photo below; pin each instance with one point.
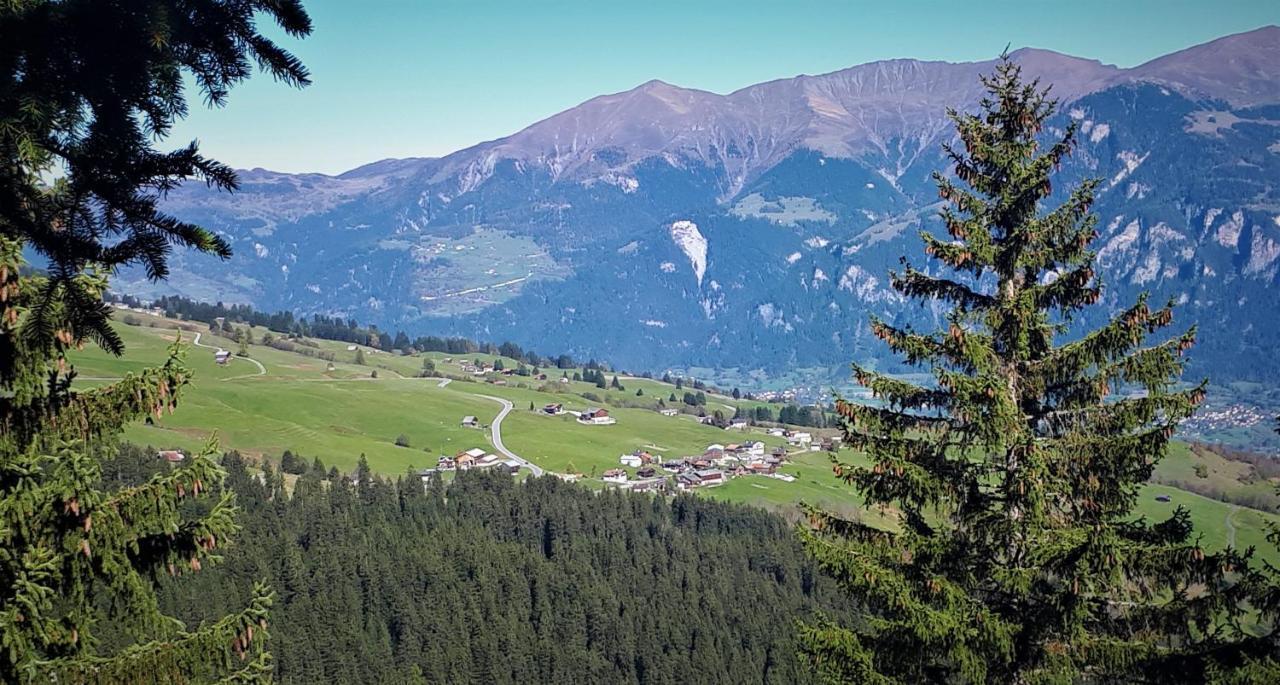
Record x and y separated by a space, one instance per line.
262 370
497 436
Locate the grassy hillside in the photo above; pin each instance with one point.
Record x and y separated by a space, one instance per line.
319 403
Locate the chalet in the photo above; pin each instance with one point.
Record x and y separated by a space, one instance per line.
738 424
709 477
762 468
777 432
828 444
512 465
468 460
614 476
564 379
445 464
673 466
553 409
668 411
222 357
688 481
171 456
705 420
779 452
802 439
596 416
470 422
487 461
648 485
753 447
427 474
646 472
630 460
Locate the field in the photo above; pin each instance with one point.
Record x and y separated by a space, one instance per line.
318 402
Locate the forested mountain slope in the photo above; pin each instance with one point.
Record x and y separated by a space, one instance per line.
492 581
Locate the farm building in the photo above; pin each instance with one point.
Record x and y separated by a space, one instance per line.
596 416
470 422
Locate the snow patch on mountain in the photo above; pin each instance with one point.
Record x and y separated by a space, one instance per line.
1262 254
818 242
1099 132
1228 234
1161 234
793 257
1121 245
261 250
772 317
690 240
1131 161
863 284
1210 216
1146 272
654 323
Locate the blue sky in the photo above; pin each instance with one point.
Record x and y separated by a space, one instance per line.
405 78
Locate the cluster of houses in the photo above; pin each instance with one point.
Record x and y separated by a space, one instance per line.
481 368
592 416
715 466
466 460
804 440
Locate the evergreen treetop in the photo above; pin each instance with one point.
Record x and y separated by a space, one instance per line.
1014 474
86 88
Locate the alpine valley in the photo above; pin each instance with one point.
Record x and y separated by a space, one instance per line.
667 227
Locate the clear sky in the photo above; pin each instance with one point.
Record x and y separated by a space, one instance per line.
422 78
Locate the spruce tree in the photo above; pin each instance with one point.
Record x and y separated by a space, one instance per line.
1017 556
86 89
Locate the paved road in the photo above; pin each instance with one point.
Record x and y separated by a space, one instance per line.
262 370
497 436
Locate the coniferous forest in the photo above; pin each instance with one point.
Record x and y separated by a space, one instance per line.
486 580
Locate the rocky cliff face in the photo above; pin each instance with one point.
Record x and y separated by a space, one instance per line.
666 226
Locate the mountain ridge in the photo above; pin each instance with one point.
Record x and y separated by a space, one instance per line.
757 227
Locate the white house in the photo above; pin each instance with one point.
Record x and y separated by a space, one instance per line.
614 476
799 439
668 411
753 447
632 460
777 432
739 424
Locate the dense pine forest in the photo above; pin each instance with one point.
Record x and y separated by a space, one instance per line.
487 580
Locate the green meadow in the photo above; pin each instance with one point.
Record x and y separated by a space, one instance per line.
338 410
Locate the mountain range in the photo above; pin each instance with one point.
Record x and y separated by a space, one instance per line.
668 227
